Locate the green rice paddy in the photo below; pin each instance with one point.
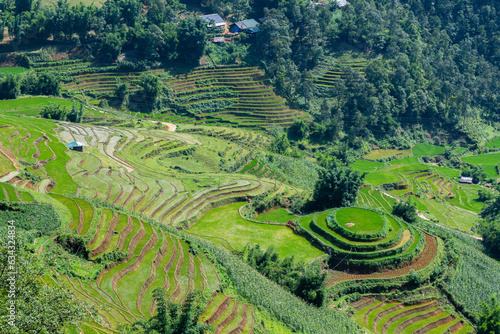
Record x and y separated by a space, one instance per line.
424 149
279 215
365 221
13 70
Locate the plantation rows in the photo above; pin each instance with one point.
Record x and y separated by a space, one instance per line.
476 270
133 163
336 72
418 317
252 102
236 96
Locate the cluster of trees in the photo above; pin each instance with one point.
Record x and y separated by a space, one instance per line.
148 27
336 187
320 132
30 83
74 244
61 113
475 171
172 318
406 210
307 282
489 228
440 68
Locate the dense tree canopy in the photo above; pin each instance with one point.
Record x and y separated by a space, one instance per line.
490 227
489 321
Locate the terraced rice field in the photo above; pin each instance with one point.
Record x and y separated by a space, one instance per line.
329 74
420 316
123 290
252 102
128 168
232 96
387 153
228 315
122 167
364 242
435 190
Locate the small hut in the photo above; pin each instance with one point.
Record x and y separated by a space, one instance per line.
465 179
76 146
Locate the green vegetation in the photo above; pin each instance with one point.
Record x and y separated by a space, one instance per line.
13 70
279 215
365 165
490 317
337 187
307 282
324 148
32 217
379 178
363 221
238 232
427 150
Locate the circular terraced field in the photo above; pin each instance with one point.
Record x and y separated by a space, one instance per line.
363 241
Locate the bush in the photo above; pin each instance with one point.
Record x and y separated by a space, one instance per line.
75 244
406 210
54 111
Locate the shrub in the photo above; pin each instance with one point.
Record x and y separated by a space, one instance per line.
75 244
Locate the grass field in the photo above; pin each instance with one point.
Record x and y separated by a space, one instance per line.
365 221
495 143
31 105
483 159
225 221
279 215
427 150
12 70
378 178
489 162
365 165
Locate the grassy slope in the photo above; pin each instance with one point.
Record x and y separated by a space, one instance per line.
225 221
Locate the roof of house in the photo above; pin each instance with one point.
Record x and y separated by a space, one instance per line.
240 25
342 3
251 23
219 39
252 30
75 144
218 21
466 179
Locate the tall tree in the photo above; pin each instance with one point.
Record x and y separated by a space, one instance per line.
171 318
337 187
192 36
